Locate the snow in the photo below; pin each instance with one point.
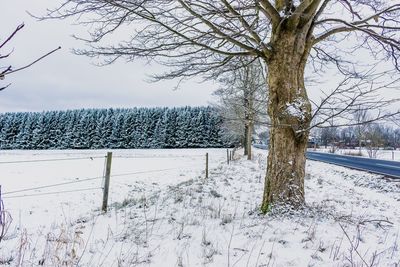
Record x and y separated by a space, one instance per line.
129 167
296 108
113 128
179 218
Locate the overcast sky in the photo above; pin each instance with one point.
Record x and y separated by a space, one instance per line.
67 81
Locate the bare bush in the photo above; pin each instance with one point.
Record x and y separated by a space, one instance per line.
5 219
353 153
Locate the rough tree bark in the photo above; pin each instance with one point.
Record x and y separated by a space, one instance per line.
290 112
248 141
249 95
245 139
247 127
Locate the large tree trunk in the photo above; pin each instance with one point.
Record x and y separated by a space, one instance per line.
289 110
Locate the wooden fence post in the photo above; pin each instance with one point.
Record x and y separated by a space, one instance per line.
107 182
206 165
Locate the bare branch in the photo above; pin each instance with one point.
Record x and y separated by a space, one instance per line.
9 70
32 63
12 35
271 12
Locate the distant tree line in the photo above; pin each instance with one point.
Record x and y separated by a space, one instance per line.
187 127
374 133
370 136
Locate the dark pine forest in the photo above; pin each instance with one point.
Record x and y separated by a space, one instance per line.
186 127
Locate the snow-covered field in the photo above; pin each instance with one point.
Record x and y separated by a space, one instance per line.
166 214
29 169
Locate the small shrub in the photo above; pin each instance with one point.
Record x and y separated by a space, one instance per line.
353 153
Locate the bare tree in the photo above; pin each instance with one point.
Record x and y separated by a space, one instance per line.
329 136
396 138
202 37
358 101
8 70
374 138
243 101
354 94
360 117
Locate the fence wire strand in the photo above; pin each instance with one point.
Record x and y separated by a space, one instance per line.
159 157
53 193
47 160
52 185
143 172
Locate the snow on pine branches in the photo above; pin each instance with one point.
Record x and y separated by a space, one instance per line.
186 127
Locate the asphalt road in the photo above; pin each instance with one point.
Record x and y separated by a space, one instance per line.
383 167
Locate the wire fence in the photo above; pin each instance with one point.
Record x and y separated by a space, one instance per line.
52 185
80 181
53 193
101 157
48 160
27 192
160 157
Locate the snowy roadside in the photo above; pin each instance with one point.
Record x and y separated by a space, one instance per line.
380 154
351 219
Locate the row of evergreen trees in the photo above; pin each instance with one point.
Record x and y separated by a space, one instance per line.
188 127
